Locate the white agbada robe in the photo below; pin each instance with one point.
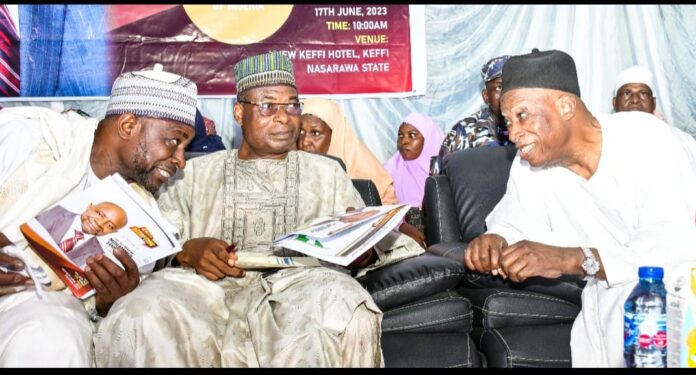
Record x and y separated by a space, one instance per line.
54 152
638 209
49 161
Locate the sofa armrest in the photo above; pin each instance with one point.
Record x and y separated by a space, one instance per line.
452 250
439 211
412 279
568 288
505 307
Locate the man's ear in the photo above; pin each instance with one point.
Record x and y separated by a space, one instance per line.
484 95
566 105
613 103
128 125
238 108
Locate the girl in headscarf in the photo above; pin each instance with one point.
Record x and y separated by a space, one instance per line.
419 139
326 130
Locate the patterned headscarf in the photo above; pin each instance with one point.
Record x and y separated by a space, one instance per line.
409 175
360 162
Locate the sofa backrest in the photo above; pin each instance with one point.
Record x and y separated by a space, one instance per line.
478 180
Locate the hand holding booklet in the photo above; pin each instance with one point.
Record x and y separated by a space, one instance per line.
106 216
343 237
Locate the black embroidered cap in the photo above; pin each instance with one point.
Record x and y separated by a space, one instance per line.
547 70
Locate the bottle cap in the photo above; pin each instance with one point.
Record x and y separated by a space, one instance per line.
651 272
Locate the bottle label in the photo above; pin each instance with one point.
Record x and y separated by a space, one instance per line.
651 330
629 330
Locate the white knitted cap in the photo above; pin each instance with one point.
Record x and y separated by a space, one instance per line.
634 74
154 93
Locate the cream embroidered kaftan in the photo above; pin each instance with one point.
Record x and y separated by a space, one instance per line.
306 317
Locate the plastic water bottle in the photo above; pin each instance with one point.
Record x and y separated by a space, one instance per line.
645 321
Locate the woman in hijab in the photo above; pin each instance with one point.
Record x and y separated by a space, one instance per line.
325 130
419 139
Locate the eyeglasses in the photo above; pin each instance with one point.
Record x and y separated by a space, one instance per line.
270 109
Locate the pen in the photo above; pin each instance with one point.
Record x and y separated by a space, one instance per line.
232 248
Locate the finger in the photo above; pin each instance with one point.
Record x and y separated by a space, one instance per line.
236 272
496 250
476 259
129 265
210 276
484 256
5 290
209 268
96 283
224 262
109 285
11 278
470 249
115 272
511 255
514 268
11 262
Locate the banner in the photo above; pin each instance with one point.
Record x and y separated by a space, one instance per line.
338 50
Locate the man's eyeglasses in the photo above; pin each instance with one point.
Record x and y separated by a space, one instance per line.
270 109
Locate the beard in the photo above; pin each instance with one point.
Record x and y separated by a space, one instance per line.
139 171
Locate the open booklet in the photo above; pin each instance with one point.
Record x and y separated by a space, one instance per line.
106 216
339 238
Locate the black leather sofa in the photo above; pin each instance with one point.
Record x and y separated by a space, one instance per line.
515 324
426 322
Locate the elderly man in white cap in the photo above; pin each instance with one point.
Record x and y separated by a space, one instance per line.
148 122
633 91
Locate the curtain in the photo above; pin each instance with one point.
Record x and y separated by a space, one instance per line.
602 39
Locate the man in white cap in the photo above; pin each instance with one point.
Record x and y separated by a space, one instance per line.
633 91
211 313
148 122
584 198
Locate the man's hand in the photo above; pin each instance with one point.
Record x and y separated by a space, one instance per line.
210 258
364 260
12 282
483 253
526 259
414 233
110 281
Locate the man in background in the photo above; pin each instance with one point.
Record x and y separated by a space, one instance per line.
634 91
485 127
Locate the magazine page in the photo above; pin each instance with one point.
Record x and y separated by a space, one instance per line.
98 220
371 224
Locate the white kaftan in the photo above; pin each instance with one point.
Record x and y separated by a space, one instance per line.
55 331
638 209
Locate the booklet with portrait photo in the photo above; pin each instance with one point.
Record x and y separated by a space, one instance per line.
343 237
106 216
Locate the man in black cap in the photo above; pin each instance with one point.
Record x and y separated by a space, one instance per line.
584 198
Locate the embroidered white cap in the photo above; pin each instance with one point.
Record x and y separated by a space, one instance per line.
154 93
634 74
